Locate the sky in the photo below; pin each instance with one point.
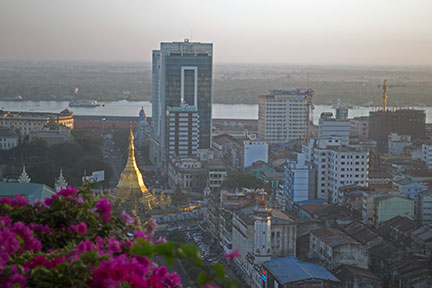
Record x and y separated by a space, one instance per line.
322 32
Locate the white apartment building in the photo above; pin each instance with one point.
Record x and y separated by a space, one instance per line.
183 131
337 165
284 115
299 179
346 167
253 151
427 154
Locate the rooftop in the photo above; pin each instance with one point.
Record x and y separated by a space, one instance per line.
360 232
32 191
402 224
291 269
333 237
345 272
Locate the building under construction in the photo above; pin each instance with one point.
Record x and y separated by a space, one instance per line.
401 121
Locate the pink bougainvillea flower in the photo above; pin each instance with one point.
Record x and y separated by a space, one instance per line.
80 228
128 220
150 226
14 279
161 240
30 242
103 207
114 246
232 256
85 246
17 202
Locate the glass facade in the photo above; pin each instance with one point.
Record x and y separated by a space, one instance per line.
173 71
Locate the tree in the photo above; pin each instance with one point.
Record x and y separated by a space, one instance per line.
121 138
66 154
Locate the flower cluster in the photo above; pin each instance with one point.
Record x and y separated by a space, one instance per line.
73 239
101 258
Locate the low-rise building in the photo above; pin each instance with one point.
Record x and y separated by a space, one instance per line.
187 173
354 277
389 206
254 151
397 143
290 272
8 138
26 122
363 234
333 248
253 240
369 195
411 189
217 173
53 136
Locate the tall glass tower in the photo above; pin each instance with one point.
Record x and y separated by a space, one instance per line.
182 73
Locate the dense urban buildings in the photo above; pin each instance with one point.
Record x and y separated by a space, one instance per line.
285 115
182 73
401 121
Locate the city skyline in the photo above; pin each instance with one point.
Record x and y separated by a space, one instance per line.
290 32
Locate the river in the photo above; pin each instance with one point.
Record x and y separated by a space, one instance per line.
130 108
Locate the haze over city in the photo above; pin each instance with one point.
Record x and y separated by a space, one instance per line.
292 32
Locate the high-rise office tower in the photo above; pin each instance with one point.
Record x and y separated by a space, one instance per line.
182 73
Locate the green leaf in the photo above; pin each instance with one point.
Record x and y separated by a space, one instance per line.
220 271
169 260
202 278
192 252
142 248
90 256
165 249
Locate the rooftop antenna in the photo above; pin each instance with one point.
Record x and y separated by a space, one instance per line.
307 80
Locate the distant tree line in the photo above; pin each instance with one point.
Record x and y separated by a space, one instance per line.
43 164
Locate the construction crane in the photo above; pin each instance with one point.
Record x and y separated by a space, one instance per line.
385 86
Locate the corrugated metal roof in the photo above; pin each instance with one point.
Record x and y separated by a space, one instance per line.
32 191
291 269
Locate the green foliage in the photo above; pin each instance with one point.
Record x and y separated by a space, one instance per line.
242 181
67 153
43 163
121 138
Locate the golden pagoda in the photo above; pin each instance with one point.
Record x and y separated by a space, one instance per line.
131 179
131 193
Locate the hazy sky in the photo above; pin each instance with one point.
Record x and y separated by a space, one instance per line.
397 32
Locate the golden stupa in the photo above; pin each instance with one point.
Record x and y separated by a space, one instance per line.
131 179
131 193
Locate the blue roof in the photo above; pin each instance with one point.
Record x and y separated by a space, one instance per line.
32 191
291 269
313 201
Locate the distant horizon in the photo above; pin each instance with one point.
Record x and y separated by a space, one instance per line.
34 61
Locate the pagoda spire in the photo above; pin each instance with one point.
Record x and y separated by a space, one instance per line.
60 182
24 177
131 179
